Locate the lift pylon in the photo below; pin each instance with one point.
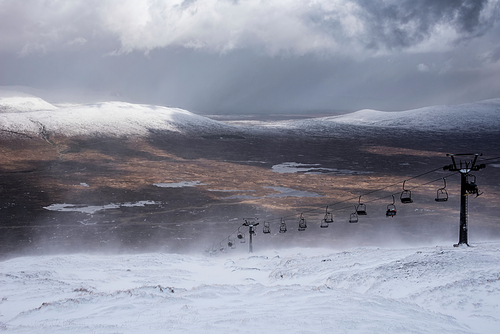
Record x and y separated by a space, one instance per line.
464 167
251 223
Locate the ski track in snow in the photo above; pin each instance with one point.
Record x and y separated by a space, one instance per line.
362 290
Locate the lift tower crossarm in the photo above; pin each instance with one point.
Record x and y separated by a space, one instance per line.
464 166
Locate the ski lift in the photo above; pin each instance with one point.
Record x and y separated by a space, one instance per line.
267 228
282 226
324 224
328 216
241 236
353 218
442 194
405 195
302 223
361 208
391 209
230 243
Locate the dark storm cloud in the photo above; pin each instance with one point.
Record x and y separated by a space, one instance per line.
294 27
254 55
349 27
407 23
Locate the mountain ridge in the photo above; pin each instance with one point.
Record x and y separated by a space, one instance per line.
31 116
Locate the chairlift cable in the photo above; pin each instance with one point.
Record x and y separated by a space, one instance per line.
391 185
489 159
236 231
364 194
416 187
368 193
491 162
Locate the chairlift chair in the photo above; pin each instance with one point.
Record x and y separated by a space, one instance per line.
324 224
353 218
241 236
361 208
267 228
231 244
282 226
442 194
391 209
405 195
328 216
302 223
471 186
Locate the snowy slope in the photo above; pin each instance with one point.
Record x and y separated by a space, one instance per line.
473 117
17 104
33 116
14 102
362 290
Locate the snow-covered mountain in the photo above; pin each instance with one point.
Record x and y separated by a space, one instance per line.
29 115
17 104
33 116
470 117
361 290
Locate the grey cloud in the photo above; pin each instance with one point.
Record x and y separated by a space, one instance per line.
400 24
348 27
32 26
255 56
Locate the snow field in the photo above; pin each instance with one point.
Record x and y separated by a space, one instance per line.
29 115
362 290
470 117
102 119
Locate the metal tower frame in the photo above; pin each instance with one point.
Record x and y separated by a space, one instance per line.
250 222
464 167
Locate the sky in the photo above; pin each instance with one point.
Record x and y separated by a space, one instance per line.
254 56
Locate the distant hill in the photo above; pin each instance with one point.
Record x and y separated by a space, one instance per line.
470 117
31 116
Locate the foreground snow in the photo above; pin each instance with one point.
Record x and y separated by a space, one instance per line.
364 290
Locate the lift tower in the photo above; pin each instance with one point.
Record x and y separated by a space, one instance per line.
466 188
250 222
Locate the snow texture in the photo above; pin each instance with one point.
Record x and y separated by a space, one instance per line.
91 209
32 116
470 117
295 167
361 290
181 184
